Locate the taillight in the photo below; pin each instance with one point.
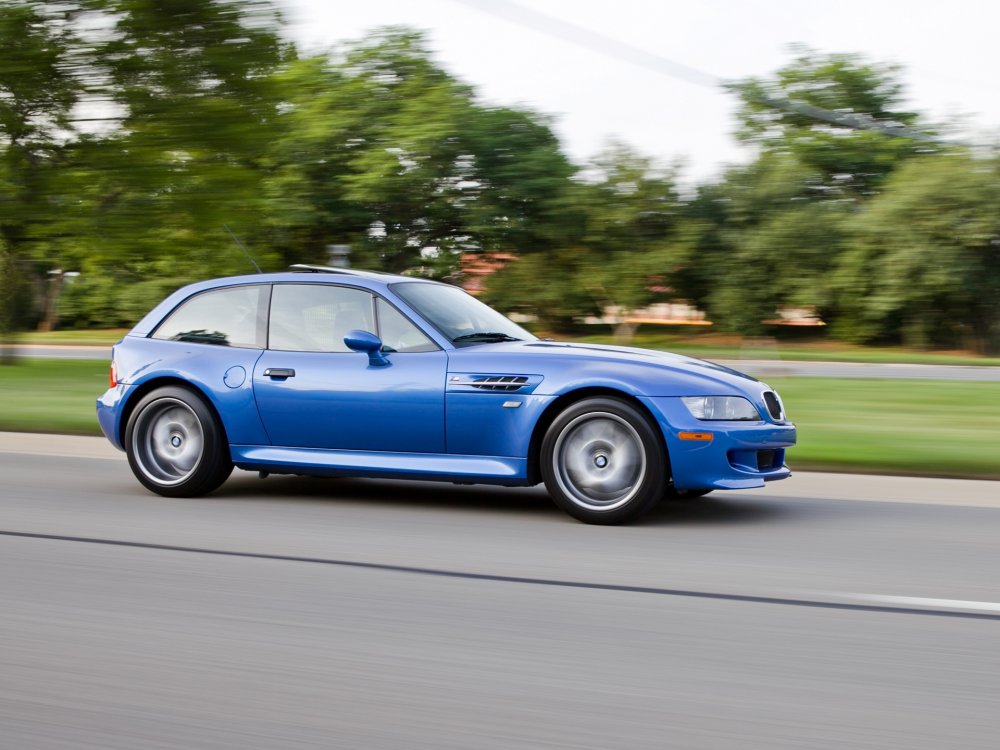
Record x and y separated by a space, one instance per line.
113 376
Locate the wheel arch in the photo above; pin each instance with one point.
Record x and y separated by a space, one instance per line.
561 402
159 382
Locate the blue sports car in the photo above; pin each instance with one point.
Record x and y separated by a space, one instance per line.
335 372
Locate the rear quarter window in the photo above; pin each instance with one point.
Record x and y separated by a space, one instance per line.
233 316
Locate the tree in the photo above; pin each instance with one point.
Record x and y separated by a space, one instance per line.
768 241
384 150
633 210
923 259
773 230
546 286
628 244
195 112
38 91
852 162
185 104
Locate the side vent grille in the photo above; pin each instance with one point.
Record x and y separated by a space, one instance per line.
499 383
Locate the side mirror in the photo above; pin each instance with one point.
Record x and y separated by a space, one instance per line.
370 344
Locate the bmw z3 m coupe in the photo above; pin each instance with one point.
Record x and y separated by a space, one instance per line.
332 372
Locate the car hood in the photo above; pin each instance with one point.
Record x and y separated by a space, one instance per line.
570 365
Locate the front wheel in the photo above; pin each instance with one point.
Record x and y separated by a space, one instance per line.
175 444
603 461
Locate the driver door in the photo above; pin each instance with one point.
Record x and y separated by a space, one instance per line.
314 392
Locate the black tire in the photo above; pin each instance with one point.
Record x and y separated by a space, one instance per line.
603 461
175 444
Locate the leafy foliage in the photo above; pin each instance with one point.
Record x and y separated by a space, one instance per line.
193 82
383 150
628 245
852 162
771 240
546 286
923 259
132 132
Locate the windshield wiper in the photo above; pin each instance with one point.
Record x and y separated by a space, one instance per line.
485 337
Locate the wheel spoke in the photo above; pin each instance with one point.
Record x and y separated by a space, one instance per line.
608 431
169 441
599 460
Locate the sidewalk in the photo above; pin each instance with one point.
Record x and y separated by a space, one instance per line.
62 351
66 446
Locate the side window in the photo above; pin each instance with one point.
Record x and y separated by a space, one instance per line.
398 334
224 317
316 317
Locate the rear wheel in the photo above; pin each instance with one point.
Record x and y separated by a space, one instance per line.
175 444
603 462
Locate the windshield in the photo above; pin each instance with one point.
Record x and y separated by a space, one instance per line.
460 316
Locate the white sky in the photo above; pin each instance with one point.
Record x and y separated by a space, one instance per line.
950 53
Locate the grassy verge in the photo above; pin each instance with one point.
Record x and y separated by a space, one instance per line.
947 428
51 395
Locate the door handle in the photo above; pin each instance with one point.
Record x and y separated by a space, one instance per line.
279 372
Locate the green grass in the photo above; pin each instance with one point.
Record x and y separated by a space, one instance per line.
946 428
51 395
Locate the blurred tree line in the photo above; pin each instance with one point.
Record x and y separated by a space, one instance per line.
134 132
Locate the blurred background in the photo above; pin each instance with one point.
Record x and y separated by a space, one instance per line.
736 182
807 191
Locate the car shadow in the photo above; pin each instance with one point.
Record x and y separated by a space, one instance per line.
712 510
388 492
718 510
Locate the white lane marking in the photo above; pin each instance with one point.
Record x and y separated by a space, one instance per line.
922 601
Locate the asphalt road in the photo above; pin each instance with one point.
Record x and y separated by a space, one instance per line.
762 368
821 612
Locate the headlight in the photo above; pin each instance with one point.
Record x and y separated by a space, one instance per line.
727 408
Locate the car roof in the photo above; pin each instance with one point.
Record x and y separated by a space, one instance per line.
304 272
307 268
370 280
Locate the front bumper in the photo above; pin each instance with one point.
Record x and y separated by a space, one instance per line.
738 455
